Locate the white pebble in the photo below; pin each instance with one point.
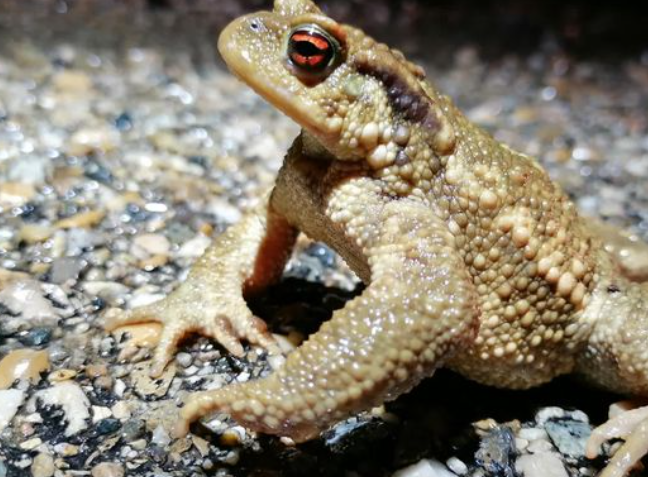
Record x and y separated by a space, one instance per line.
99 413
532 434
543 415
546 464
540 446
425 468
11 400
71 398
194 247
151 244
160 437
457 466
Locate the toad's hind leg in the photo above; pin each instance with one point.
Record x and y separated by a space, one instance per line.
419 306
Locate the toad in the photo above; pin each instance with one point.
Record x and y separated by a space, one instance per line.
472 257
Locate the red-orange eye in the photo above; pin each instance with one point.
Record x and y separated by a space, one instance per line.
312 50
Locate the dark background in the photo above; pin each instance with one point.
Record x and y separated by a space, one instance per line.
580 27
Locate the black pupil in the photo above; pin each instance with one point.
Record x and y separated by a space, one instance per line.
310 51
306 48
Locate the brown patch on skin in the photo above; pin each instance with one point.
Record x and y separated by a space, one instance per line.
405 95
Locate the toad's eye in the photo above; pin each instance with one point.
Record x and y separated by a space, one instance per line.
312 51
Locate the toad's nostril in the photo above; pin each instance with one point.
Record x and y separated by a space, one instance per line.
255 25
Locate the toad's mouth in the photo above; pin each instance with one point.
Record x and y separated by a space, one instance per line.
268 79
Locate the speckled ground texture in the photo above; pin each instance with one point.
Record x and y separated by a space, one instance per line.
125 144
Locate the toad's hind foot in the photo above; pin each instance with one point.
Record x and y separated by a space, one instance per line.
180 317
247 405
629 425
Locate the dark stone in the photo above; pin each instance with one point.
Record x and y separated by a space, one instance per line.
36 337
323 253
108 426
133 429
99 173
124 122
497 453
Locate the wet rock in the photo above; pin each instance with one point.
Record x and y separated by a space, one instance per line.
544 464
72 81
124 122
65 449
569 436
92 140
23 364
43 466
184 359
15 194
25 298
111 292
66 269
11 400
36 337
146 386
86 219
457 466
194 247
61 375
34 233
425 468
497 452
107 469
151 244
107 426
133 429
145 335
100 413
160 437
71 398
81 240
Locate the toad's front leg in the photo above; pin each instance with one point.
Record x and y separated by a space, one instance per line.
418 307
245 258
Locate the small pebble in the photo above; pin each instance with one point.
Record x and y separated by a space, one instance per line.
11 400
26 298
99 413
36 337
71 398
133 429
43 466
65 449
160 437
184 359
457 466
108 469
425 468
544 464
23 364
108 426
151 244
121 410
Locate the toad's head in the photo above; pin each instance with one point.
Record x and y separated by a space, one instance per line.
358 98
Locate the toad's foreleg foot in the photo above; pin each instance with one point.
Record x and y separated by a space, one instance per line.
225 319
246 258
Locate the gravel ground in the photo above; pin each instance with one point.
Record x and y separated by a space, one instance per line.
125 145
